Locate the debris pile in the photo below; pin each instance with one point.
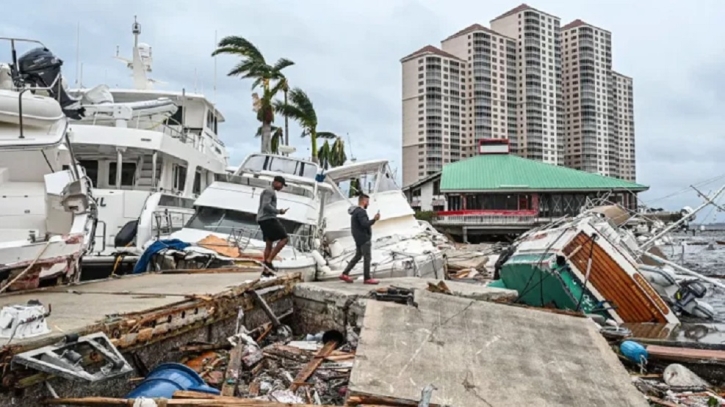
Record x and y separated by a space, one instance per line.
472 263
263 366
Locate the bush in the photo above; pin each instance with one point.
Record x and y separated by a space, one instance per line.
427 216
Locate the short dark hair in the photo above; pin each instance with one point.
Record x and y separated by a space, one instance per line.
280 180
362 196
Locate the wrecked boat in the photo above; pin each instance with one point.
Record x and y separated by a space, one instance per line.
401 245
224 230
48 211
593 264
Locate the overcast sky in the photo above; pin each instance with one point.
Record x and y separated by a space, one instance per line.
347 56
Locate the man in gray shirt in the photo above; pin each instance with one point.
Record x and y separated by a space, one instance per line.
272 229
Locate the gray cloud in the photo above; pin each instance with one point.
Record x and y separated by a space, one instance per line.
347 59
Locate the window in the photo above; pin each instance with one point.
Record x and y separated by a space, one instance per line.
197 183
91 167
128 172
179 177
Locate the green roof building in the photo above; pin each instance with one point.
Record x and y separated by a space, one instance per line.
497 191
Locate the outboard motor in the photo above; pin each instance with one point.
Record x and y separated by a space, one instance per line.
40 68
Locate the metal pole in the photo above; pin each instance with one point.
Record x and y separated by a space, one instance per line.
119 166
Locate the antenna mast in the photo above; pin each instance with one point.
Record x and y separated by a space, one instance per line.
349 146
215 44
78 55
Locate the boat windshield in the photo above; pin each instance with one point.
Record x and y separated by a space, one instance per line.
284 165
369 182
225 221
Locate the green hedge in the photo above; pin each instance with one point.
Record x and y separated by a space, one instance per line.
425 215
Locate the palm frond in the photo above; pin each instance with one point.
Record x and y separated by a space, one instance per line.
326 135
239 46
290 111
299 98
281 64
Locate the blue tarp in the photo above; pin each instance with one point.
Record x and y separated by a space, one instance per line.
159 245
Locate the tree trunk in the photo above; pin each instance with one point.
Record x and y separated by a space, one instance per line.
313 138
286 122
266 138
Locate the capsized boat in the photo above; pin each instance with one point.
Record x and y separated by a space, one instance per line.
593 263
47 211
401 245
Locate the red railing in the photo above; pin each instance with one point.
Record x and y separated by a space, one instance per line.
488 212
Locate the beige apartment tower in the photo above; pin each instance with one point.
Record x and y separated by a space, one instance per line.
548 89
591 144
538 53
431 112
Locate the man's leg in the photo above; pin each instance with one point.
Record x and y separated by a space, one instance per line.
356 258
365 249
267 250
277 248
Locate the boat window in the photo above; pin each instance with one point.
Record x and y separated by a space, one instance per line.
91 167
225 221
179 177
281 164
197 183
176 201
128 173
211 120
387 181
177 118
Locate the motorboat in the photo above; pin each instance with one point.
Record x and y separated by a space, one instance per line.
149 154
224 231
47 210
402 246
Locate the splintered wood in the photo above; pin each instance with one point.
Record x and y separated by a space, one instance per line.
316 361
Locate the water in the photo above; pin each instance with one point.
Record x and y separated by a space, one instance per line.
703 255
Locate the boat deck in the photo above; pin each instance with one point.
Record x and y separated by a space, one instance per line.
75 308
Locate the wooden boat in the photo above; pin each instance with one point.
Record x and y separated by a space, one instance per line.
583 265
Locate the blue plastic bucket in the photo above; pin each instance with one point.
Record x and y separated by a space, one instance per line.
167 378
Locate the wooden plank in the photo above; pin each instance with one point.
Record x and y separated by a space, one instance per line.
310 368
231 378
686 354
614 284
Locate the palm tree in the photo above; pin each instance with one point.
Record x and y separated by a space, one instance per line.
332 155
277 136
299 107
269 77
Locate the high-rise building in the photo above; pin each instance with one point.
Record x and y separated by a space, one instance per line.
431 112
549 89
623 124
538 46
488 85
591 144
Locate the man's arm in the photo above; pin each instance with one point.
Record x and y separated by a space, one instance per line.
266 199
363 220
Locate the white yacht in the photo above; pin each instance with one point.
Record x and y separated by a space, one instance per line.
47 213
224 227
402 246
149 154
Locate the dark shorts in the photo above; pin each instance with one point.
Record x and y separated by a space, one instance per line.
272 230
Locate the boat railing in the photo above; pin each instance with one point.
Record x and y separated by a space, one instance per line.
263 183
168 221
242 235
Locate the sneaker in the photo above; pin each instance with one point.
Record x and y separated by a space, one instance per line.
270 265
267 273
346 278
372 281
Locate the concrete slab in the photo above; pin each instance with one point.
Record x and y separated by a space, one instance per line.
482 354
342 291
94 300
